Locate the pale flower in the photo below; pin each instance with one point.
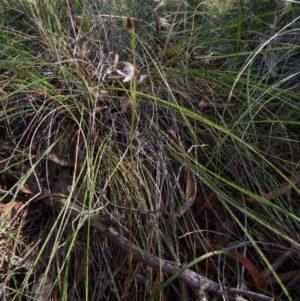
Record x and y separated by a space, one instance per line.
127 70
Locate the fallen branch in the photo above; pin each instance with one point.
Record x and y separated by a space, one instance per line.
196 282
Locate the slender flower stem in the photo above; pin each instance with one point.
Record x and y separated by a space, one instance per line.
130 28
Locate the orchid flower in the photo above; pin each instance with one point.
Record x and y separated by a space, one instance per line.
127 70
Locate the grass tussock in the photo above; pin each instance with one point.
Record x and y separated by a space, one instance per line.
179 183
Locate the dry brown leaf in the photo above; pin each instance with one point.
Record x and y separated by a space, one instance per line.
283 277
277 263
275 193
205 246
25 189
190 184
190 190
256 275
10 211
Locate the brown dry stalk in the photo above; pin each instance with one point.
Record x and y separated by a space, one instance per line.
195 281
